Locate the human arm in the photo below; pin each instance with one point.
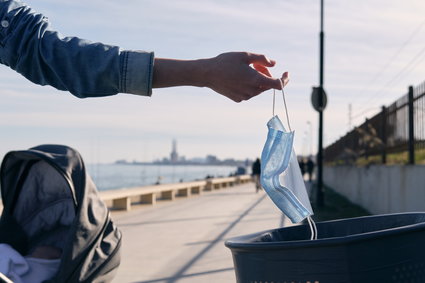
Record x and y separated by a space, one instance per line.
31 47
229 74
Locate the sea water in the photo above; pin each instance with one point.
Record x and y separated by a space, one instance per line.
118 176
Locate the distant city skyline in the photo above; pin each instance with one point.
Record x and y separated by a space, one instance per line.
176 158
373 51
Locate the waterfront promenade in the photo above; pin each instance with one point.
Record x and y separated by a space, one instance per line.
183 240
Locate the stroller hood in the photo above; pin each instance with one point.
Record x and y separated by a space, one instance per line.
49 199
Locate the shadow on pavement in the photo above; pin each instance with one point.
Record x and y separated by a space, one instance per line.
180 273
174 278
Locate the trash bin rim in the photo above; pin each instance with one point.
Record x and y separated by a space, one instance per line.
240 242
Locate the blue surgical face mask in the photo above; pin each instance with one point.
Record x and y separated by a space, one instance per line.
278 161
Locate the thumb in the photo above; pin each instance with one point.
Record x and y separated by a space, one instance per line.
269 82
284 79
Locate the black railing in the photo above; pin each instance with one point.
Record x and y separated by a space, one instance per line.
398 128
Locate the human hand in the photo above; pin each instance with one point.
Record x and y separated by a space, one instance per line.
231 75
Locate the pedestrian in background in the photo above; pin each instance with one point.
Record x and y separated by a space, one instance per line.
302 164
256 172
310 168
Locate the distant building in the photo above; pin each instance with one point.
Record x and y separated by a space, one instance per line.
174 157
197 160
212 159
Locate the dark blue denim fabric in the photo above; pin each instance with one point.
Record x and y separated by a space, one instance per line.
86 69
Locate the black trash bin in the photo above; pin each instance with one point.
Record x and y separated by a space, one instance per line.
377 249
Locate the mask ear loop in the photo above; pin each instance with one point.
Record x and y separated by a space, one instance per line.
313 228
284 103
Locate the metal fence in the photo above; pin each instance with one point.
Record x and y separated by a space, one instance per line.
398 128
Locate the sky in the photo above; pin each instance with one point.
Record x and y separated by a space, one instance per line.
374 49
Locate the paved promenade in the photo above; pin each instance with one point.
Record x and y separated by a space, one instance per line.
183 240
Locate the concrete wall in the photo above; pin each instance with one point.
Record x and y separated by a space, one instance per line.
380 189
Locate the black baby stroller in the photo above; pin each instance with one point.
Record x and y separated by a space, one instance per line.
50 200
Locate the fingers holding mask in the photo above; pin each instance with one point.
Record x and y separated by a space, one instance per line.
266 82
241 75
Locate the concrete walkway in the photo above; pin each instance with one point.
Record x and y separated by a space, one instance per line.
183 240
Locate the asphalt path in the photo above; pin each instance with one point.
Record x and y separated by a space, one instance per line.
183 240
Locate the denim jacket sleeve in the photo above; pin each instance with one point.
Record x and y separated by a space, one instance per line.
86 69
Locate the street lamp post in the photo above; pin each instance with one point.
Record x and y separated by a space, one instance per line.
320 197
